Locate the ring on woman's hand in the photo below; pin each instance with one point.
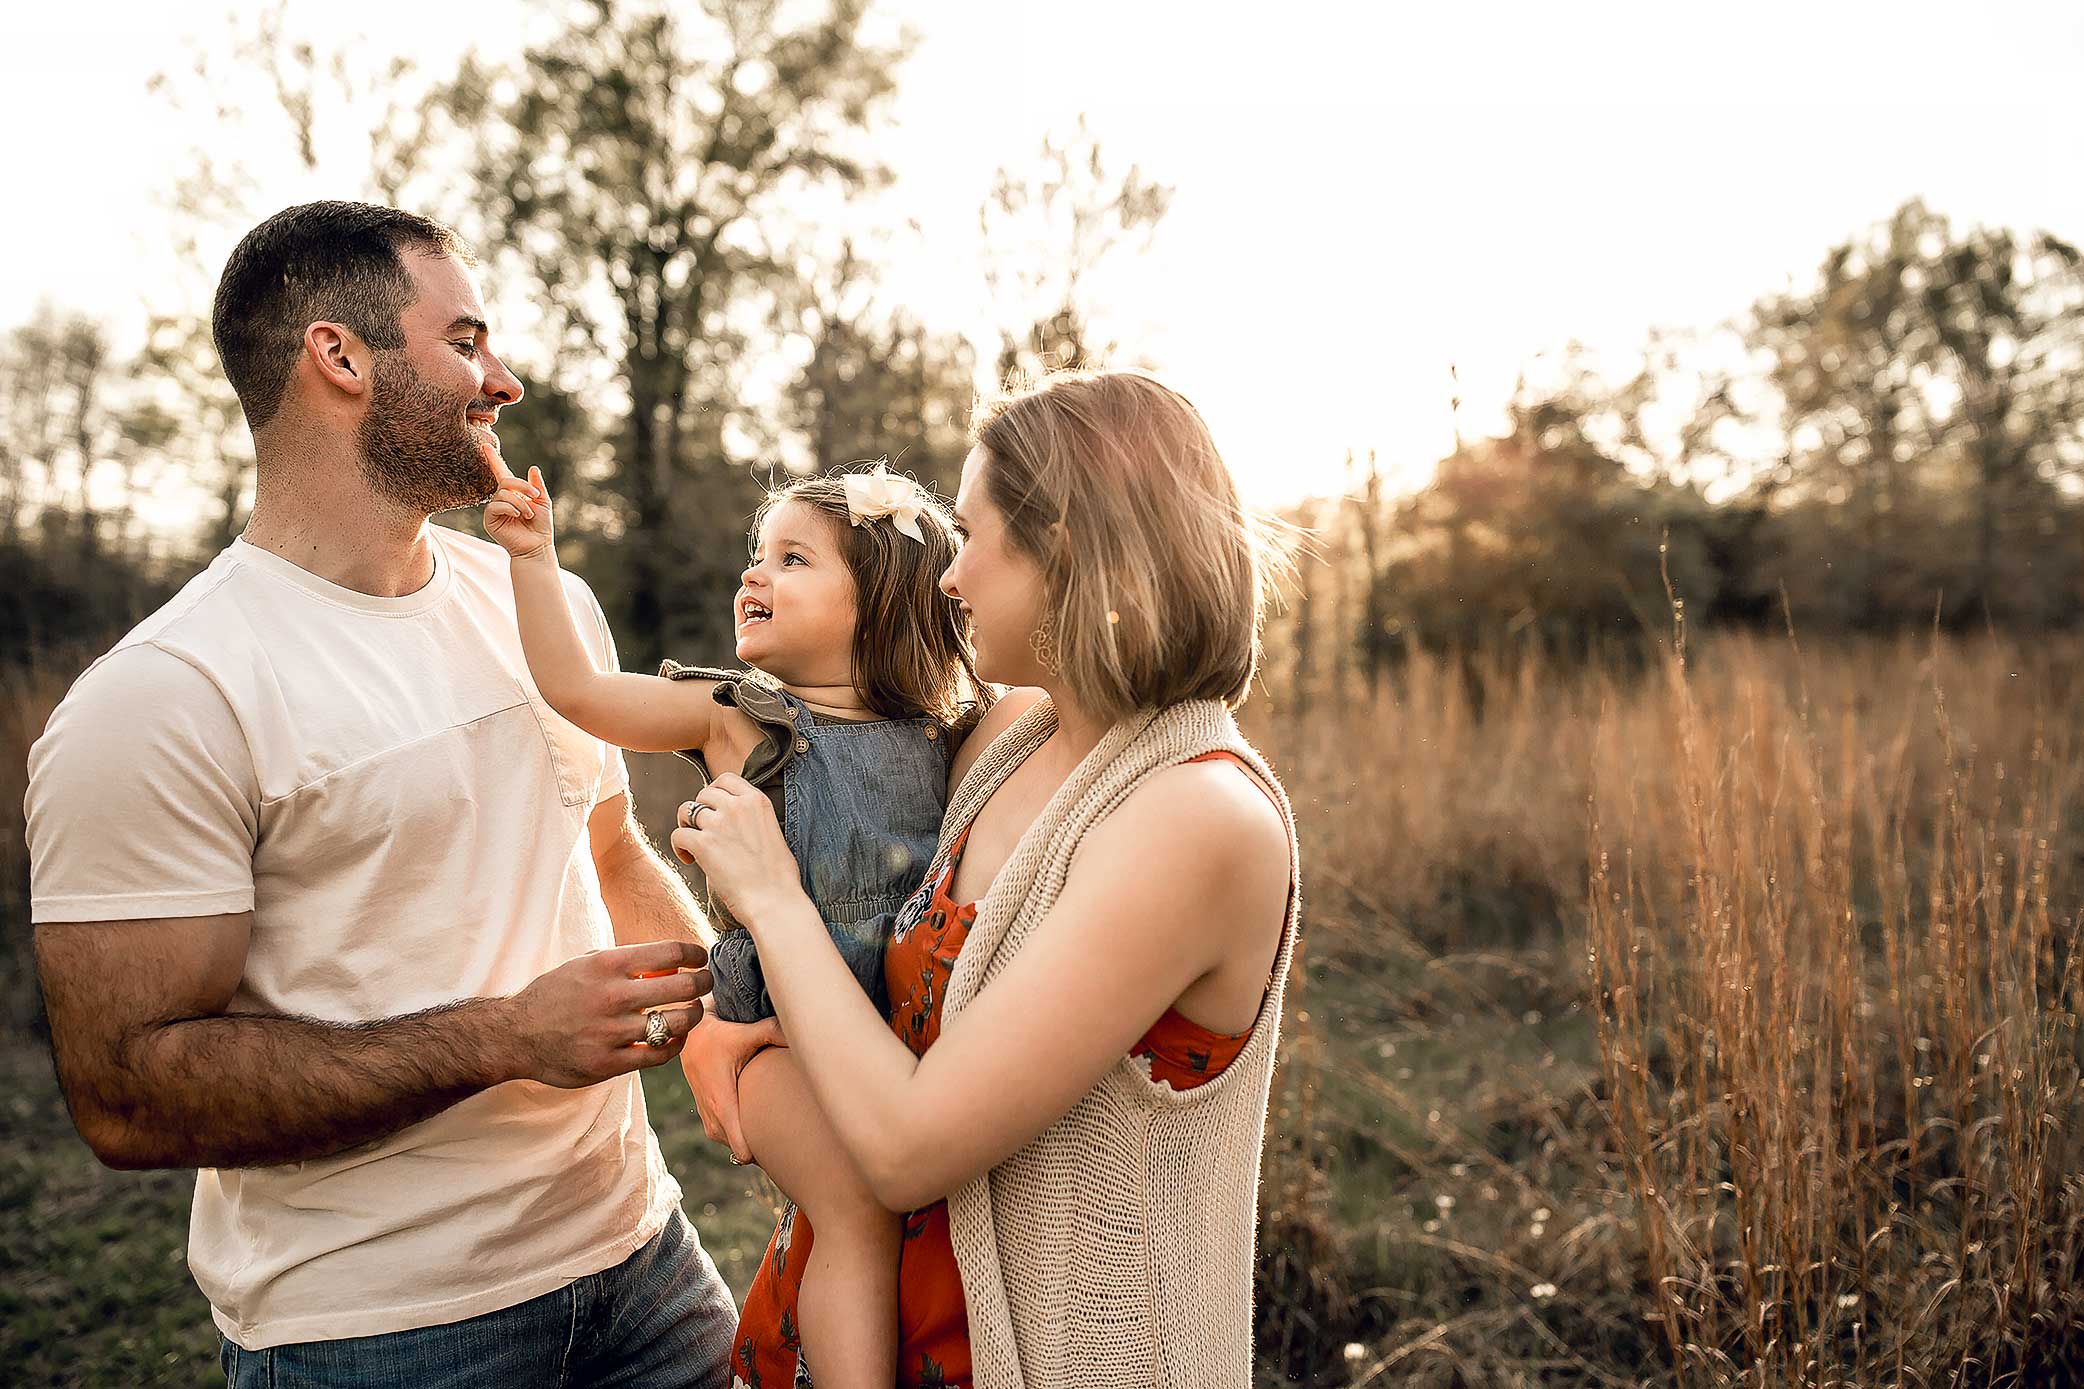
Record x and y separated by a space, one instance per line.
656 1031
737 1161
691 814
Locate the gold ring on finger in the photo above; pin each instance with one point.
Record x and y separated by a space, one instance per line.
657 1031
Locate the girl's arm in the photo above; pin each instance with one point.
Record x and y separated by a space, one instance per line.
1188 876
643 713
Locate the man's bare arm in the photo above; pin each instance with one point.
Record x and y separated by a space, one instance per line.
157 1074
646 898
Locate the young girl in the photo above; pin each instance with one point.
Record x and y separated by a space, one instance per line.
862 682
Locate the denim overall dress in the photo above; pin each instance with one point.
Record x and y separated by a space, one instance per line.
860 806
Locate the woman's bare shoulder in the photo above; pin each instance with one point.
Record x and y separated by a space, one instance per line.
997 719
1196 856
1216 805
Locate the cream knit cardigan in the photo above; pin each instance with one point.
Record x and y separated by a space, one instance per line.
1116 1247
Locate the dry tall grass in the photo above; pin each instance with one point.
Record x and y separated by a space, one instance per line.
1711 1025
1836 947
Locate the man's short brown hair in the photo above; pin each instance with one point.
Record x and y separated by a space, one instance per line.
331 262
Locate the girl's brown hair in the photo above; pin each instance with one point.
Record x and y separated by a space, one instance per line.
1156 573
912 653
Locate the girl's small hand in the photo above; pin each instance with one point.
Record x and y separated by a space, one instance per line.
730 830
518 516
715 1053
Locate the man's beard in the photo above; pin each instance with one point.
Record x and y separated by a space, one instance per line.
416 448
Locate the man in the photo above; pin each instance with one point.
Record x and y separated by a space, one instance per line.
332 906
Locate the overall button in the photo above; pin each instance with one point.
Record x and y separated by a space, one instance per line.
932 733
802 745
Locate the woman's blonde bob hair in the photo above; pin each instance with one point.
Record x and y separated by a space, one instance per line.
1155 573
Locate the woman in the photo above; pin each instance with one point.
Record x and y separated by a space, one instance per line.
1069 1093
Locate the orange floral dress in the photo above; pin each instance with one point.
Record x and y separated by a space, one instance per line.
933 1335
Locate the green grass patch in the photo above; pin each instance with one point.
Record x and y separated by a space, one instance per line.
94 1283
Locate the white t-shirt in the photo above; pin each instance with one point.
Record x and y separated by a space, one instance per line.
378 781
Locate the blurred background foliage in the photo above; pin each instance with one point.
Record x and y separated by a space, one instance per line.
1885 459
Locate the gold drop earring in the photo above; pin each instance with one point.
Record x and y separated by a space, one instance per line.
1042 641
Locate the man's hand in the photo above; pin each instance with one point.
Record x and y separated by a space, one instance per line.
518 516
715 1053
584 1021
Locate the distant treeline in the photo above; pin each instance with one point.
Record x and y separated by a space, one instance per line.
1915 426
1900 445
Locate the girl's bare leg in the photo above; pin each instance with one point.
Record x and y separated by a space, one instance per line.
847 1311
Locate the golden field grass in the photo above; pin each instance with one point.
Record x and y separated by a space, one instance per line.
1710 1021
1715 1023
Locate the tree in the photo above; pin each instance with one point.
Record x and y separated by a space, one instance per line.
1923 393
277 100
1847 364
2006 316
72 440
1045 232
57 424
1540 536
631 170
877 385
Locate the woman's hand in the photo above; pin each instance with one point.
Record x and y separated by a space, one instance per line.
730 830
518 516
715 1053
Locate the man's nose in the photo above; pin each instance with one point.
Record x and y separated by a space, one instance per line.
500 384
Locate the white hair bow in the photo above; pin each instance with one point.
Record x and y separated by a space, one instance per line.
877 493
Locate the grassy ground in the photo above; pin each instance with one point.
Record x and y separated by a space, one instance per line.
94 1285
94 1289
1703 1027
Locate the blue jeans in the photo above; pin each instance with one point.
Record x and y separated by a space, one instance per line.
661 1319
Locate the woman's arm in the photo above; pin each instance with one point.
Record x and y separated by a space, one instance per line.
643 713
1188 875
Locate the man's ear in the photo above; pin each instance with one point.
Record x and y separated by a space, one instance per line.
342 360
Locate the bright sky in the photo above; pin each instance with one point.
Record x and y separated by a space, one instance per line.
1365 193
